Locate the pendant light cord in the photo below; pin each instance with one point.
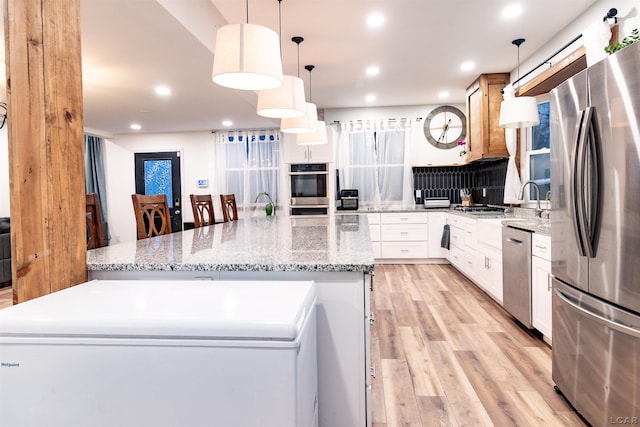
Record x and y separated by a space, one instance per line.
247 4
518 42
309 68
280 25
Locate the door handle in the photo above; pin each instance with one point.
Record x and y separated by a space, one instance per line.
597 317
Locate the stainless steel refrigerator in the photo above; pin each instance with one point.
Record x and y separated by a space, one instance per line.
595 231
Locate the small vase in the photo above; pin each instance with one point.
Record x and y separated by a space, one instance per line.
269 209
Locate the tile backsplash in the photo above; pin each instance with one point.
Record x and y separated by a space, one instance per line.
485 179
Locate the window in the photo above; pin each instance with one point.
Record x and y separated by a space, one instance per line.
537 158
251 164
377 165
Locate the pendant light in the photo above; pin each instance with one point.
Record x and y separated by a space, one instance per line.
521 111
306 123
287 100
247 57
319 135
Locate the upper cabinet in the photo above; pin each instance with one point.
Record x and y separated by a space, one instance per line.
294 153
485 139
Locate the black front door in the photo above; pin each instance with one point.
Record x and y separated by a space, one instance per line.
159 173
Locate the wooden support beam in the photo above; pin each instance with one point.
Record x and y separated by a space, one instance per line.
46 145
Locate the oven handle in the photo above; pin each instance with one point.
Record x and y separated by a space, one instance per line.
310 173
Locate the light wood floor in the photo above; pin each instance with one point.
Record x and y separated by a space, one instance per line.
6 298
447 355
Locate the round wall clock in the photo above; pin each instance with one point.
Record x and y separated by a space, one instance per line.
445 126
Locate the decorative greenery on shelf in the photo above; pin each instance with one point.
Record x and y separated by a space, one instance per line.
270 207
629 40
464 148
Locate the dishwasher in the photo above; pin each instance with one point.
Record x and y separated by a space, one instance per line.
516 273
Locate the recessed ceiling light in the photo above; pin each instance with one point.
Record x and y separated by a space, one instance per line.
468 65
227 123
511 11
373 70
443 94
163 91
370 98
375 20
135 126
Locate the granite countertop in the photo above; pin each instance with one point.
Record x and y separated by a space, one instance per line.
518 217
279 243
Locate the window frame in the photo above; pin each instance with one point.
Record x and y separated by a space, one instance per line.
526 153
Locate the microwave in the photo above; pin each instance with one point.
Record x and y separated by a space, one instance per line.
347 200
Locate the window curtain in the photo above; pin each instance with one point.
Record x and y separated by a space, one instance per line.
246 164
373 157
94 178
512 183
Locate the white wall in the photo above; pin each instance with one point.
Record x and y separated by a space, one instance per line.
196 153
423 153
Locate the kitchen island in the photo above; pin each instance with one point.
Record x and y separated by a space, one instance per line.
334 251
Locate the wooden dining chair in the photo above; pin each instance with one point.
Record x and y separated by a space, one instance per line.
152 215
229 208
202 206
95 230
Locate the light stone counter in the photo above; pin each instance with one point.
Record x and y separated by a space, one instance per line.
279 243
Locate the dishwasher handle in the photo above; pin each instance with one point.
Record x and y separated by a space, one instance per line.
516 241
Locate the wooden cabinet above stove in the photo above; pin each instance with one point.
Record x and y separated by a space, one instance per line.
485 139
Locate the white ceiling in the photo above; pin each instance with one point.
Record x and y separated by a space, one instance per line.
129 46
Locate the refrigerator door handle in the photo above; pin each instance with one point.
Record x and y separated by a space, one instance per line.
577 184
628 330
592 174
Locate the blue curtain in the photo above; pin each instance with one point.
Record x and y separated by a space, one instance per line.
94 180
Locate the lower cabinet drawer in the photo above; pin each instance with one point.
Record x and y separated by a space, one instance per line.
374 230
411 232
405 250
377 249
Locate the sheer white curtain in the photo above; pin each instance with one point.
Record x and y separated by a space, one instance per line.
247 163
373 157
395 178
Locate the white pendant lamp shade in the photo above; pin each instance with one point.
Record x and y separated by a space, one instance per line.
304 124
319 136
247 57
286 101
519 112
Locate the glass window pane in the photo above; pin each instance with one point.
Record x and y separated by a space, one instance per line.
157 178
539 165
541 136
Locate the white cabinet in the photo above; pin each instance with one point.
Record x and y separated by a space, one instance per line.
541 284
294 153
404 235
374 230
436 222
490 250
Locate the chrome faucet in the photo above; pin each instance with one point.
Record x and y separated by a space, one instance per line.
538 209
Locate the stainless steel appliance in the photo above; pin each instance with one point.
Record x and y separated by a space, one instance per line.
595 231
309 189
516 273
347 200
436 202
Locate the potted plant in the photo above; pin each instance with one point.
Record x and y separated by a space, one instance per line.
270 207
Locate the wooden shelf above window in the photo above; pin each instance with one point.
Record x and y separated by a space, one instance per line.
563 70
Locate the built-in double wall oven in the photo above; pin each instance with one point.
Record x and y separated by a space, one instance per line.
309 189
